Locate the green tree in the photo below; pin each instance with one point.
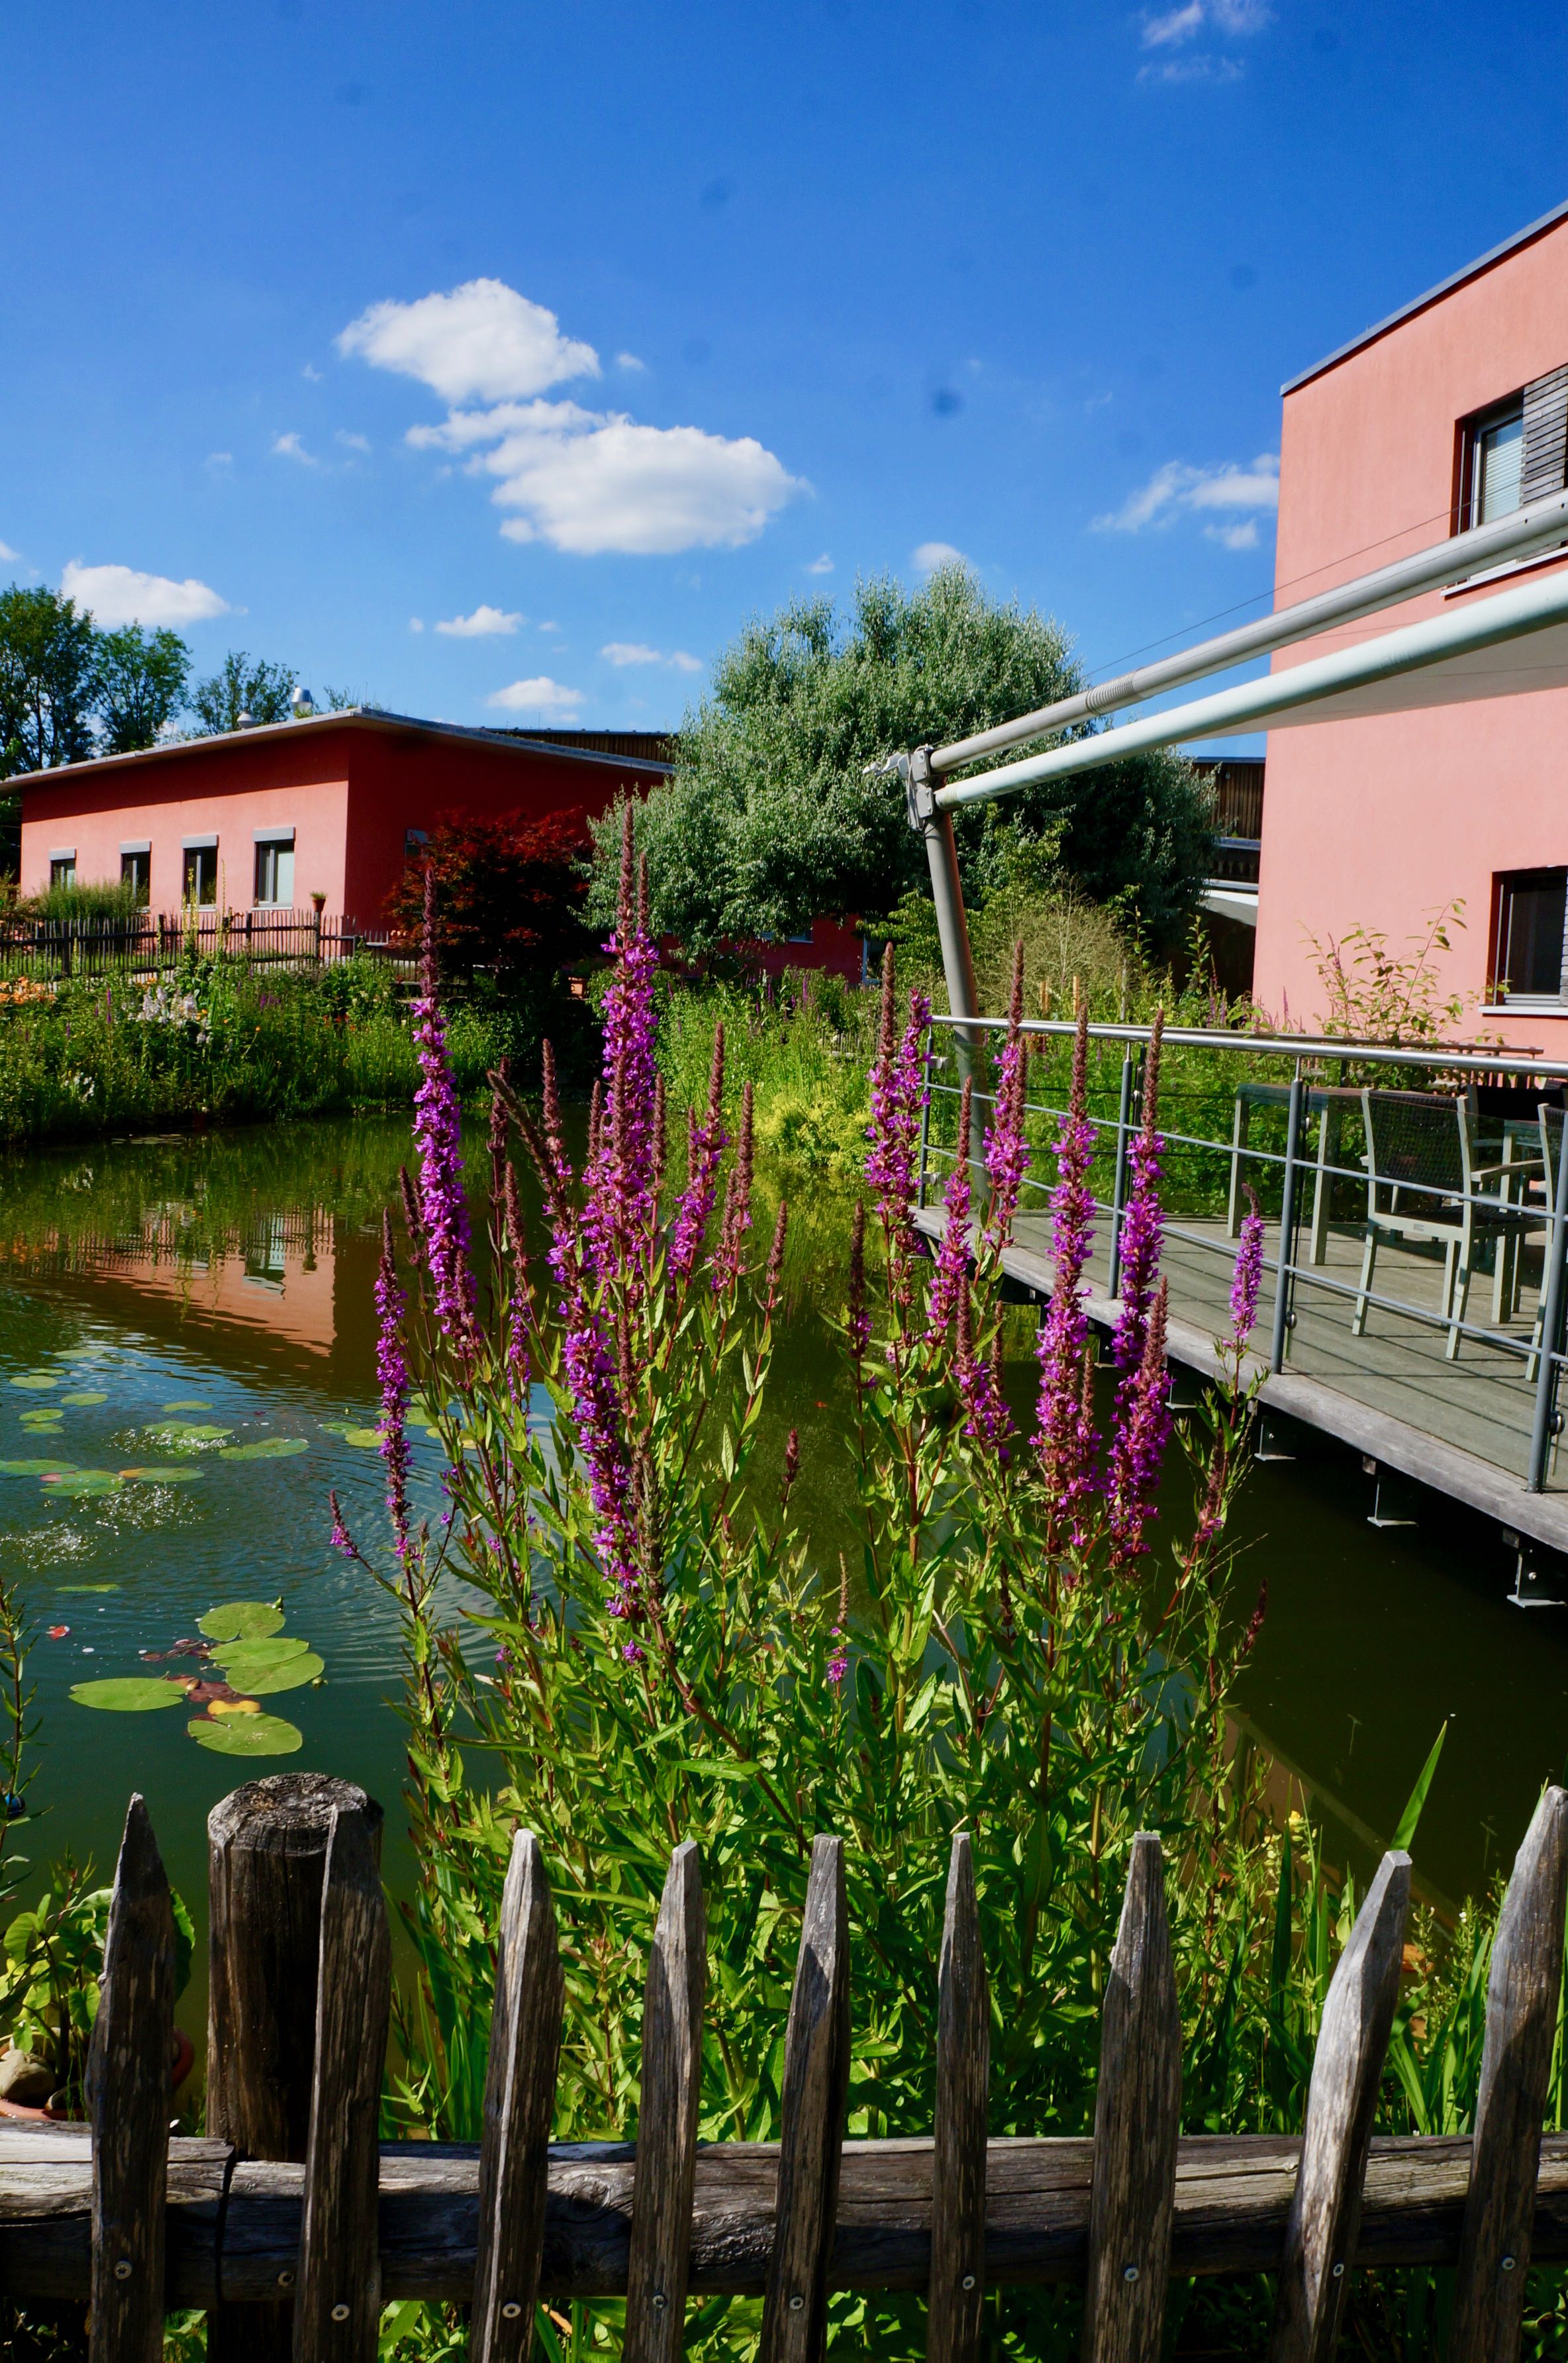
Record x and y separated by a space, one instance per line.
770 820
243 684
142 679
49 680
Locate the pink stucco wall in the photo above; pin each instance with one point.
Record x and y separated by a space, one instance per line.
1377 822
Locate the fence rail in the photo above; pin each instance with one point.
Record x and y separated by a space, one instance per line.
49 949
292 2224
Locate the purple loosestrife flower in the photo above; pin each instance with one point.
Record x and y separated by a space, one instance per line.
340 1538
1138 1440
952 1263
987 1418
437 1129
620 1177
1141 1222
858 1320
392 1374
705 1145
518 1374
1248 1277
736 1218
1007 1151
1064 1434
838 1664
899 1096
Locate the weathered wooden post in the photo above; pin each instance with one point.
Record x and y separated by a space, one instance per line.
267 1850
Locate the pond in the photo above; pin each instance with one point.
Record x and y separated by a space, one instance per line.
162 1286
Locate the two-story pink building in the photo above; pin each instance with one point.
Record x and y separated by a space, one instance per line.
1450 412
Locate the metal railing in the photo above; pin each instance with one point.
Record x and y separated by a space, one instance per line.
1500 1197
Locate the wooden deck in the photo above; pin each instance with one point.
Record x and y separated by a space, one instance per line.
1461 1427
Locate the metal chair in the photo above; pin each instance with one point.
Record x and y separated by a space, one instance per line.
1422 1169
1551 1120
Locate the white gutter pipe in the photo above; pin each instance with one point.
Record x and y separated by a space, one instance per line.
1525 532
1506 616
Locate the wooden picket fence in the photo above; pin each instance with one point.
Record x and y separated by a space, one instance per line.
293 2226
153 941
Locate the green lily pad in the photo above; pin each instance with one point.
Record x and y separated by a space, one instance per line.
243 1674
248 1735
88 1587
37 1382
43 1419
92 1396
241 1620
271 1448
184 1435
36 1467
155 1473
79 1482
186 1403
128 1694
260 1653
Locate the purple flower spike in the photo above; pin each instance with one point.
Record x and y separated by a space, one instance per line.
988 1419
1065 1435
899 1096
1248 1278
952 1262
1141 1223
705 1145
392 1372
437 1129
1138 1441
620 1180
1007 1150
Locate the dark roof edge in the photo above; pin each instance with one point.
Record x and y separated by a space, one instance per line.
1418 303
371 716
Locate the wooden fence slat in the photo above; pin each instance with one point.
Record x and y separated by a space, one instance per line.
519 2102
1137 2124
337 2298
129 2085
1516 2064
958 2288
1325 2208
667 2118
816 2088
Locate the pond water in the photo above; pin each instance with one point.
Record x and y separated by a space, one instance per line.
225 1282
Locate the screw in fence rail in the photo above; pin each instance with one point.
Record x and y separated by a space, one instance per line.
266 1850
1552 1285
1285 1271
337 2298
1522 1995
1347 2067
519 2102
816 2088
957 2290
130 2092
667 2119
1130 1065
1137 2124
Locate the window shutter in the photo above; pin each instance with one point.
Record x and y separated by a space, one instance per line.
1545 467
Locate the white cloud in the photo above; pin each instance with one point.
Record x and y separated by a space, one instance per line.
353 443
683 662
590 481
289 447
1177 489
220 459
483 340
1179 25
540 695
416 623
8 556
484 624
311 371
122 594
823 565
629 362
1235 537
932 554
630 652
1237 18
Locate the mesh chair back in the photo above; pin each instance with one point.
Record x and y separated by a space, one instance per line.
1415 1142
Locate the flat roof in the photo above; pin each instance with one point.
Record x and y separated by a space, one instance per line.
1456 279
362 718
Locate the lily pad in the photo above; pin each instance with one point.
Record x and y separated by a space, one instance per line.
128 1694
242 1620
271 1448
157 1474
248 1735
89 1395
36 1467
89 1587
258 1654
184 1435
79 1482
43 1419
37 1382
292 1675
368 1439
186 1403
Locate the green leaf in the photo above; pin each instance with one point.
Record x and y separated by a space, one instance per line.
260 1653
1412 1812
36 1467
184 1403
90 1397
260 1682
271 1448
242 1620
82 1481
128 1694
156 1473
37 1382
248 1735
89 1587
184 1435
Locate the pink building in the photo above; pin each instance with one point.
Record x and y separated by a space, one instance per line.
334 805
1449 413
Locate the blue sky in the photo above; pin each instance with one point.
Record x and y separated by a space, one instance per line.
594 328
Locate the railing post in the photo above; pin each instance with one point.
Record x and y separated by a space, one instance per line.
927 1062
1283 1285
1130 1065
1550 1329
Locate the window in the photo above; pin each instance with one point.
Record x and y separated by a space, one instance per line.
1529 942
200 882
136 871
415 841
63 869
275 870
1494 462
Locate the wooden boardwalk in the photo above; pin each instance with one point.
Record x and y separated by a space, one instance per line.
1461 1427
